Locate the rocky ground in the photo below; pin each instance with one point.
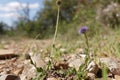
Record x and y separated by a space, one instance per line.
15 62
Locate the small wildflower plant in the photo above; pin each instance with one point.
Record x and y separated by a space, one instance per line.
82 72
41 73
58 2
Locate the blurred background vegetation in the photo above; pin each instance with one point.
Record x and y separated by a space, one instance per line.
100 16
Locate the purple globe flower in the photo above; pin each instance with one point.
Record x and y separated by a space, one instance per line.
83 29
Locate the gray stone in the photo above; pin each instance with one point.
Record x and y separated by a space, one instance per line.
36 58
29 71
112 65
6 54
76 63
92 67
76 60
90 76
9 77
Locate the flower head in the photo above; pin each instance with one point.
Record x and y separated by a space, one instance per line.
58 2
83 29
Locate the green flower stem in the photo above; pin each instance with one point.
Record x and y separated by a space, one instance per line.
56 30
88 48
86 38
